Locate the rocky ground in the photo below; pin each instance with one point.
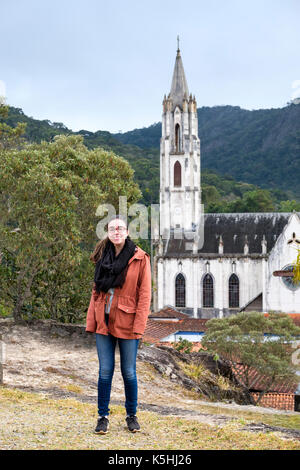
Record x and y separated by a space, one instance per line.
62 362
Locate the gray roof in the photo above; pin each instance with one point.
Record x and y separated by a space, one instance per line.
179 87
235 229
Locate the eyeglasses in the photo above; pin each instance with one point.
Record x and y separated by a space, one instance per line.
115 229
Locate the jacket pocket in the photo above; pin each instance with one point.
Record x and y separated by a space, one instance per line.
126 308
125 315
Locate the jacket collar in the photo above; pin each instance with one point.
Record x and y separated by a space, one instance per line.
139 254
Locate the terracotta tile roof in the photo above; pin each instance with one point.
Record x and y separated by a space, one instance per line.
157 330
258 381
168 312
192 324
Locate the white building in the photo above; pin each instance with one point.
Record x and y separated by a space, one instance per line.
234 268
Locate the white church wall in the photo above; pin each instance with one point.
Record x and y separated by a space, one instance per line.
278 296
248 271
160 285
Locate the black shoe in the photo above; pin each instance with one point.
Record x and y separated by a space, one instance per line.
132 423
102 425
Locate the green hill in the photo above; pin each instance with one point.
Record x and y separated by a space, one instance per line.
241 151
260 147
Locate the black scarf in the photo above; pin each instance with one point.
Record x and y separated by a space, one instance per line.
110 271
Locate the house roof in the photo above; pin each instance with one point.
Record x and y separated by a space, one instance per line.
168 312
156 330
159 329
235 229
258 381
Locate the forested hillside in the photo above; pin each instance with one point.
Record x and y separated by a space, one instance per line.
241 152
261 147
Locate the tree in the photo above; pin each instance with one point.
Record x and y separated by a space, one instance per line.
259 201
183 345
10 137
289 206
244 342
49 194
296 271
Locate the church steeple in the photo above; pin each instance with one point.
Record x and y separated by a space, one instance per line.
179 89
180 193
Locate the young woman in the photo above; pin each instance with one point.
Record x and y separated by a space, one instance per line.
118 312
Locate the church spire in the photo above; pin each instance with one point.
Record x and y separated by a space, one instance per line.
179 88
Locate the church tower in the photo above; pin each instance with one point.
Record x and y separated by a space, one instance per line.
180 194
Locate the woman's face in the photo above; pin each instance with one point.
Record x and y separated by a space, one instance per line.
117 232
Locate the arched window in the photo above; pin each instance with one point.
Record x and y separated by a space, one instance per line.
208 291
177 138
179 291
177 174
234 290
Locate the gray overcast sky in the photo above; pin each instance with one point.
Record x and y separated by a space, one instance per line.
106 65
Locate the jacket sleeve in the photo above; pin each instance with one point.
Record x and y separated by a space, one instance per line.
144 297
91 324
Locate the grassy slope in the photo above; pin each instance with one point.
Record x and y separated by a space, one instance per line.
33 421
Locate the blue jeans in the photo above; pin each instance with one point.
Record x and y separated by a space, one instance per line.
106 345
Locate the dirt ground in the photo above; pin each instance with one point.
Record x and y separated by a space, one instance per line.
64 365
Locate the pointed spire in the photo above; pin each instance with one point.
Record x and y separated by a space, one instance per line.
179 86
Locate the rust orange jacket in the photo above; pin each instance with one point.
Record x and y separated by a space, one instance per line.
130 305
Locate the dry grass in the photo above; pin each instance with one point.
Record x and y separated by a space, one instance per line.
147 372
72 388
194 371
33 421
200 372
289 421
224 384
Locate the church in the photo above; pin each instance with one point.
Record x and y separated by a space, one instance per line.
243 262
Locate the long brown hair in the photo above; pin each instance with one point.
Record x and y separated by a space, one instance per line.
101 244
97 253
